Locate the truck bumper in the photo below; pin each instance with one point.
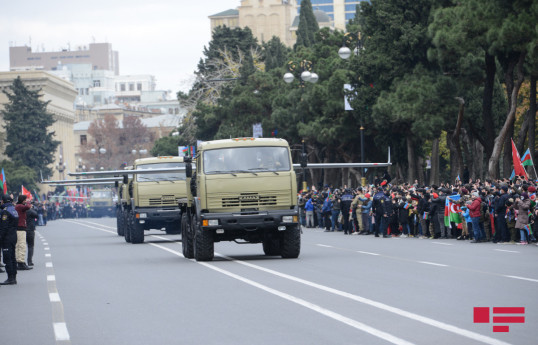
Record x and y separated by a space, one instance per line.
250 221
150 217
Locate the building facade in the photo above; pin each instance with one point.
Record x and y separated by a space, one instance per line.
340 11
61 95
99 56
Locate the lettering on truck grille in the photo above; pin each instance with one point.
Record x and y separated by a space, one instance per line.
164 200
249 200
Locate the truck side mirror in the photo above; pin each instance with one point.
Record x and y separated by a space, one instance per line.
116 184
188 166
125 179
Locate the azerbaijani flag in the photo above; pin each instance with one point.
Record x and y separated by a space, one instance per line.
26 192
406 206
452 210
4 184
513 175
526 160
425 216
529 229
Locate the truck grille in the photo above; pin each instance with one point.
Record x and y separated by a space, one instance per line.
249 200
165 200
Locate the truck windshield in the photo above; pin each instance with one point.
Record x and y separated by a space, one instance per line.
246 159
102 194
169 176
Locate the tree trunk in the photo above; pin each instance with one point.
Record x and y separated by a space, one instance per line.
434 171
411 160
493 163
454 160
456 139
507 153
487 104
467 141
532 117
522 135
478 153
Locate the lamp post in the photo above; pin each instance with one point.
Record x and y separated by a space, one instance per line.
61 166
139 152
352 39
304 69
100 151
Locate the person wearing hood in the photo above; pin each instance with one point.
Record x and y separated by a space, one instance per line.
474 212
522 205
8 238
501 231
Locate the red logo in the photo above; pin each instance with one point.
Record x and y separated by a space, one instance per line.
481 315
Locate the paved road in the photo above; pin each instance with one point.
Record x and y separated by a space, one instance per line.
90 287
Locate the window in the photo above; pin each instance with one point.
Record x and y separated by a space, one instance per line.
139 86
83 140
131 87
251 160
122 87
96 83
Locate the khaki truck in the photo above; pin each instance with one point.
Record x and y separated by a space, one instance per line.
242 190
123 204
101 203
153 197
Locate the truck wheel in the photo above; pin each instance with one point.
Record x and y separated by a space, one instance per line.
137 231
204 249
290 242
119 223
271 246
186 237
172 229
127 227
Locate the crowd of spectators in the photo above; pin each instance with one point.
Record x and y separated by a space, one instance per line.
500 211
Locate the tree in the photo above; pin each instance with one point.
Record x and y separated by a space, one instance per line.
308 26
275 53
30 140
166 146
19 174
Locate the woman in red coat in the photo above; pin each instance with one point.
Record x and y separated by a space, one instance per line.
474 213
20 249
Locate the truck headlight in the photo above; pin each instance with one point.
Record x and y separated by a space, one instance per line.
287 219
143 215
210 222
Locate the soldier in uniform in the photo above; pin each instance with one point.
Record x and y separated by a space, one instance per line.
8 238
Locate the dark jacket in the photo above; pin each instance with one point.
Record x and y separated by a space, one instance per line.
500 204
377 204
9 221
31 215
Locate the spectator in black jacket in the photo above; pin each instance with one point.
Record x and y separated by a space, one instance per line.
31 216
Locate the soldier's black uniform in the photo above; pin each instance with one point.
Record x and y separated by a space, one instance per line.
8 238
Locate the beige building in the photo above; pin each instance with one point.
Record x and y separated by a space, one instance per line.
99 55
61 95
265 18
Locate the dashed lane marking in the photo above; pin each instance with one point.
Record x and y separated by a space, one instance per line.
48 255
48 264
60 331
443 244
368 253
506 251
324 245
432 263
51 278
54 297
523 278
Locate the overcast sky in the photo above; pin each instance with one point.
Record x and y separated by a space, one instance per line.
164 38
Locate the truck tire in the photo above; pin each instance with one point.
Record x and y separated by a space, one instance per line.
127 227
119 223
204 249
172 229
137 231
186 237
271 246
290 242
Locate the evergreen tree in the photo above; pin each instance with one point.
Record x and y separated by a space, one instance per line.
308 26
27 125
275 53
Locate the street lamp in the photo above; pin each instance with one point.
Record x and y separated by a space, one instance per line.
100 151
344 52
304 67
61 166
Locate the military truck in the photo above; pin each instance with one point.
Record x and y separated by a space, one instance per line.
123 204
153 198
242 190
101 203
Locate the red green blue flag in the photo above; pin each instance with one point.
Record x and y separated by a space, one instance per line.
526 160
4 184
452 210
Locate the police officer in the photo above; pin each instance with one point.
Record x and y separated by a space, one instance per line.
8 238
347 199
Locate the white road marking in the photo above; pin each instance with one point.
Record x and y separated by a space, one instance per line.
54 297
104 226
523 278
507 251
324 245
47 248
367 253
93 227
47 255
48 264
443 244
51 278
60 331
379 305
45 244
432 263
338 317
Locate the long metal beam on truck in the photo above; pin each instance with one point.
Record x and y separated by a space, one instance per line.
88 180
